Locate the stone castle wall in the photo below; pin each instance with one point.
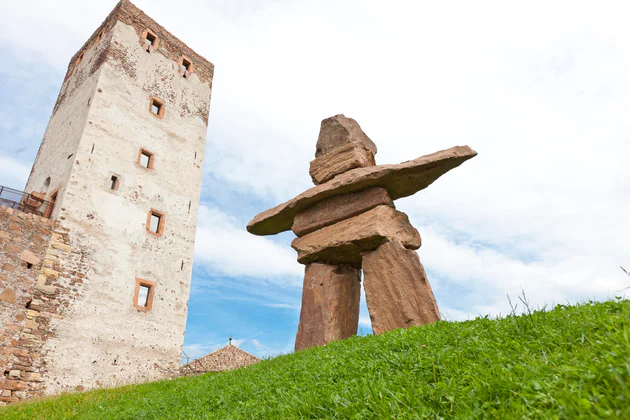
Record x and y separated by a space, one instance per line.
101 124
40 277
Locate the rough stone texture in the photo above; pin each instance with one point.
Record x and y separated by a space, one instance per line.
39 296
344 241
29 258
397 291
338 131
338 208
99 124
227 358
399 180
330 304
340 160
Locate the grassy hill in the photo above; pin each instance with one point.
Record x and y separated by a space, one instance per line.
569 362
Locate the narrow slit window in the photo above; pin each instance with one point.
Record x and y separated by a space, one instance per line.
145 159
186 67
114 183
155 222
79 59
143 296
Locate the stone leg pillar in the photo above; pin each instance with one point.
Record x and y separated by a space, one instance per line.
397 291
330 304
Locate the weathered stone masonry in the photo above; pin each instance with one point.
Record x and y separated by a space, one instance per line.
89 324
40 276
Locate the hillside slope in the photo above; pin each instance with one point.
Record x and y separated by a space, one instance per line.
569 362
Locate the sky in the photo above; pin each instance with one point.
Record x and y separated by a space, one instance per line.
540 89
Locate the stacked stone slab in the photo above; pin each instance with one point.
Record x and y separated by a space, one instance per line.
348 222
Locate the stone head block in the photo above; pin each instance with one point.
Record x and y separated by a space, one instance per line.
338 131
340 160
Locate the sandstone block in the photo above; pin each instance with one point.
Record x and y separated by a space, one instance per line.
4 235
47 290
8 296
339 130
401 180
338 208
14 374
340 160
15 385
330 304
397 291
49 272
29 258
8 267
344 241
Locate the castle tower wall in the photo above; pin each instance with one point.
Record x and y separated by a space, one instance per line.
107 193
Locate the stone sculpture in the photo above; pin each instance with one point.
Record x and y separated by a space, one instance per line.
348 222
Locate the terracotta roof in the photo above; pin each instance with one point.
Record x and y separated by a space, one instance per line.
227 358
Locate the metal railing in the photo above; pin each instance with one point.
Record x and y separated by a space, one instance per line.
25 202
191 366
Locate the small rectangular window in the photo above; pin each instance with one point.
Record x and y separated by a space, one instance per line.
143 296
79 59
155 222
185 64
156 107
114 183
145 159
150 39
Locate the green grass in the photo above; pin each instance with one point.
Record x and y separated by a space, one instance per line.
569 362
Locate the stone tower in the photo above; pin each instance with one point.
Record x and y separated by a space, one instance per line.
122 161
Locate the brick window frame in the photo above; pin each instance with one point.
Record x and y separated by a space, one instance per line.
146 34
147 283
53 197
100 36
185 72
151 155
161 223
160 104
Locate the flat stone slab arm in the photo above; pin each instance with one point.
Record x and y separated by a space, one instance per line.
400 180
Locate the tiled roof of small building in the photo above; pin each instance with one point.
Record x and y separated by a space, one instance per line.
227 358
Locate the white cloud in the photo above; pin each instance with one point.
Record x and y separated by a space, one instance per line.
283 306
238 343
224 246
364 321
259 346
539 89
197 350
13 174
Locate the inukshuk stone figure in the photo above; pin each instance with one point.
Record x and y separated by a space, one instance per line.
348 222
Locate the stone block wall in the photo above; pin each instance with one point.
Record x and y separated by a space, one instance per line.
40 276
